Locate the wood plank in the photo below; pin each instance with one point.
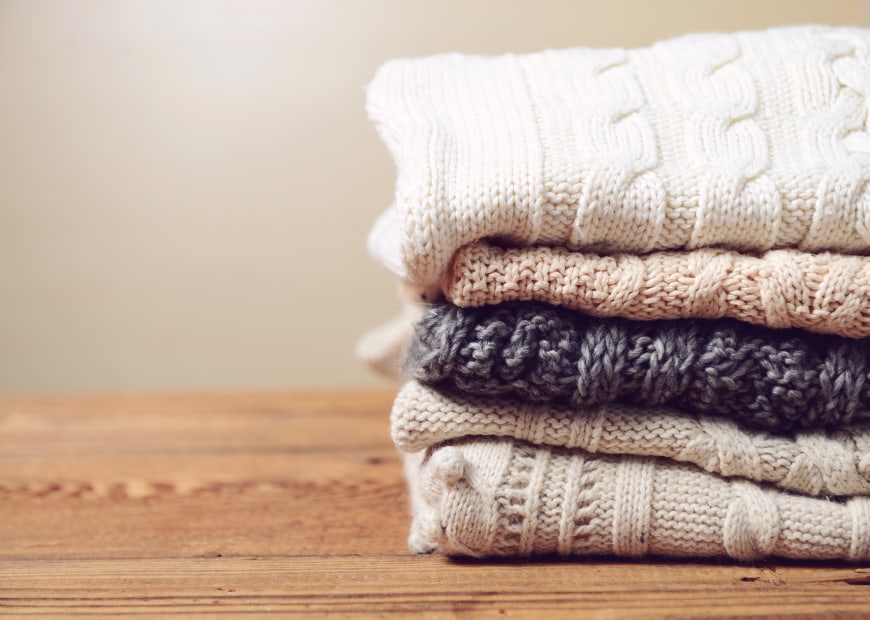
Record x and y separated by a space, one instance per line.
288 504
116 424
294 504
354 585
198 476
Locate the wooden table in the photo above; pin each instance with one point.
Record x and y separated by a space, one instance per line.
294 504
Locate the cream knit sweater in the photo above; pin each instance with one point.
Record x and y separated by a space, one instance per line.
812 462
508 498
825 293
752 141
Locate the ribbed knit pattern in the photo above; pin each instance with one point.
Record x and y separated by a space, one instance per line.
771 379
825 293
508 498
812 462
752 141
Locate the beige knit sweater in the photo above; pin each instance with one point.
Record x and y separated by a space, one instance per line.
813 463
826 293
508 498
751 140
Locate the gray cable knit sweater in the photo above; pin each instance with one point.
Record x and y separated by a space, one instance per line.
777 380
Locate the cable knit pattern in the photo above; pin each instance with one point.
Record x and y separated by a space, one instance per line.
771 379
824 293
834 88
812 463
617 144
751 141
724 140
506 498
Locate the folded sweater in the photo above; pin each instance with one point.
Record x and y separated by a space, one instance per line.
772 379
825 293
812 463
752 141
483 497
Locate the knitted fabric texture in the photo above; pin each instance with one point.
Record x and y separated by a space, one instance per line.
772 379
752 140
812 463
507 498
825 293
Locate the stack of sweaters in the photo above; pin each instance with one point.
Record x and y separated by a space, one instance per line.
638 316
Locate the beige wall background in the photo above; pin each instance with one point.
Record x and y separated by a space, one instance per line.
186 186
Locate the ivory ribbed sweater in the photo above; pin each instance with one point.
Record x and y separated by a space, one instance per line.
752 140
508 498
813 462
825 293
772 379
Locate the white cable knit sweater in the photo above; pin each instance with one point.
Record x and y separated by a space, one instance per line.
751 141
507 498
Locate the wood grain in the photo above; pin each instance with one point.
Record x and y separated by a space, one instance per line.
294 504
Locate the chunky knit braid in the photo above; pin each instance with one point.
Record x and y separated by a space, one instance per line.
772 379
